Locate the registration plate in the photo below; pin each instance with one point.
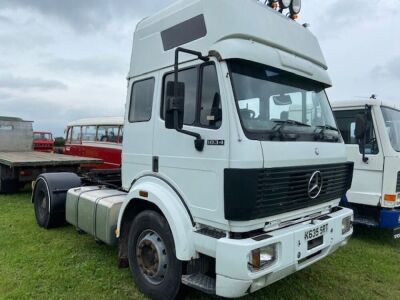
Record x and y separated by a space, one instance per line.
315 232
396 233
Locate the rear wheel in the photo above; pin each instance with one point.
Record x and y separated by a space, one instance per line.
152 259
50 195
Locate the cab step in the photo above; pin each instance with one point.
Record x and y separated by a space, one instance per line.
201 282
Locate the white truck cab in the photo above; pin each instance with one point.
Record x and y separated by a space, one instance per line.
232 165
371 131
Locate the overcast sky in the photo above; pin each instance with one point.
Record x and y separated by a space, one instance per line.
62 60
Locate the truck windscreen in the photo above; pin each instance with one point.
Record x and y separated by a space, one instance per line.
270 99
392 122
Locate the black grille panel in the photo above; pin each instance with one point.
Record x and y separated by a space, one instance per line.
398 183
257 193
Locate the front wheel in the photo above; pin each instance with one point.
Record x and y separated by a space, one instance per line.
152 259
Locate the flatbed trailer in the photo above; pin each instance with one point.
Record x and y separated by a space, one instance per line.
17 168
19 164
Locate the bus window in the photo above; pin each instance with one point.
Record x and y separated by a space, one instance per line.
76 135
121 134
89 133
107 134
68 136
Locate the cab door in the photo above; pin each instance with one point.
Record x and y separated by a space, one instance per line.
197 175
368 176
139 124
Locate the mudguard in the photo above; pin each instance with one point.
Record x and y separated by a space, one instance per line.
172 205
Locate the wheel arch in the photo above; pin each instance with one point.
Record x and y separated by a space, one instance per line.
164 199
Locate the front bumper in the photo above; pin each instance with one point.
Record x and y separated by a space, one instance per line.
234 279
389 218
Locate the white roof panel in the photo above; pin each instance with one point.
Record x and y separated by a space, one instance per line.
363 102
98 121
245 29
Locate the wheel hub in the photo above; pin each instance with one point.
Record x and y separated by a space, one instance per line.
152 256
43 202
42 205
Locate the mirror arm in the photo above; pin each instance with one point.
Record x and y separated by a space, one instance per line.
199 142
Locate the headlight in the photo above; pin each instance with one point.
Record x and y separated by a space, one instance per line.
347 224
284 3
262 258
295 7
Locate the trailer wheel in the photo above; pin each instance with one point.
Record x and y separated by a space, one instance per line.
152 259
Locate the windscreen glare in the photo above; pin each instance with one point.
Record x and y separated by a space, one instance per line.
392 122
269 99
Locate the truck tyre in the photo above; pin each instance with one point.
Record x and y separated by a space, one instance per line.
152 259
41 203
49 197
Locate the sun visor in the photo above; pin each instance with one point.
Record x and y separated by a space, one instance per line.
268 55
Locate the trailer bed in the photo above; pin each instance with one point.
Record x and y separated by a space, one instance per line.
42 159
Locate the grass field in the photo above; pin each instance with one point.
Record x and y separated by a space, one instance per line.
61 264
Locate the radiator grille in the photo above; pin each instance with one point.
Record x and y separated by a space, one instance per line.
258 193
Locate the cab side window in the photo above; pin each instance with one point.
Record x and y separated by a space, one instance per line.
346 120
189 78
210 101
141 100
202 96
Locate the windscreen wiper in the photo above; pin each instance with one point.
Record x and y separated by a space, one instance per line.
280 124
327 127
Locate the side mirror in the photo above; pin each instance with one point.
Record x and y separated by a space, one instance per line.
175 103
282 100
359 131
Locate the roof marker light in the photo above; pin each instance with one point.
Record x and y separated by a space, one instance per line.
284 4
295 8
273 3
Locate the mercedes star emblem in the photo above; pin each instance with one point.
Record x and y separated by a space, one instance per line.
315 185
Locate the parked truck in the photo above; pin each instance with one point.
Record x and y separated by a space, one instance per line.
371 131
43 141
20 165
232 165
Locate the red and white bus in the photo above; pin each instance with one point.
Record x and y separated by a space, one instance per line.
97 138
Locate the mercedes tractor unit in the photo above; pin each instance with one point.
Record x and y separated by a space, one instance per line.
232 164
